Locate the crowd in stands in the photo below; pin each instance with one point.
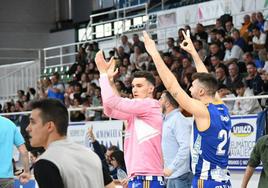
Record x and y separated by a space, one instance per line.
236 56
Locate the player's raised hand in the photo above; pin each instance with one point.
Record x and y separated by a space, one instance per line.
149 44
101 63
111 72
187 43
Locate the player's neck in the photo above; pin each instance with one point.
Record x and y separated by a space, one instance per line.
207 99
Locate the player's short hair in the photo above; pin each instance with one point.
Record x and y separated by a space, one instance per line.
208 80
145 74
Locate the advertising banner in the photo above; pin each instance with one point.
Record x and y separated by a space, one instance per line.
243 138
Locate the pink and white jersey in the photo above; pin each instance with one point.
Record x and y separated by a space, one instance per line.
142 147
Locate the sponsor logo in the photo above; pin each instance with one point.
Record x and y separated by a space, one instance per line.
242 130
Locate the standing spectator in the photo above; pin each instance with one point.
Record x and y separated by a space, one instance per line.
246 106
253 80
80 167
138 42
258 155
57 89
10 136
126 44
175 144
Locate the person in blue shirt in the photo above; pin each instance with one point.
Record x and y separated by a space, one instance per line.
212 122
175 144
10 136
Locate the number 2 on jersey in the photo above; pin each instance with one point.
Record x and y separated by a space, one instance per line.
222 135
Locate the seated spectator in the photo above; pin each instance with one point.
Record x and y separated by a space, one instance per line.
229 27
232 52
239 41
57 89
262 24
246 28
214 50
248 58
234 76
120 53
225 92
259 39
221 75
202 52
253 80
138 58
245 106
77 115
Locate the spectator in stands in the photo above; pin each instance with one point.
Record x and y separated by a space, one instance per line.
126 44
257 156
20 94
57 89
108 154
90 52
248 58
187 67
253 80
180 36
170 44
77 115
218 24
138 42
234 76
212 36
239 41
232 52
200 33
42 87
220 39
246 27
253 18
215 62
262 24
120 53
229 27
214 50
225 92
48 129
221 75
139 58
202 52
259 39
246 106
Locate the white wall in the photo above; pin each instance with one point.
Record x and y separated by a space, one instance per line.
237 177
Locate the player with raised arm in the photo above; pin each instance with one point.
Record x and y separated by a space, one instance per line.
212 122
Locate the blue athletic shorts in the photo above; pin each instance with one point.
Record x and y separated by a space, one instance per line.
146 182
199 183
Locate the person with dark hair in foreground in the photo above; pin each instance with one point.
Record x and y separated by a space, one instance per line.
64 164
212 122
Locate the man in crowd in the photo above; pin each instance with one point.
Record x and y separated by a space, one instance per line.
175 144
